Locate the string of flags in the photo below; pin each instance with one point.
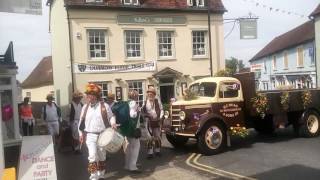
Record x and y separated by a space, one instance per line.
270 8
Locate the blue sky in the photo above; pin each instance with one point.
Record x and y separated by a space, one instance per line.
32 39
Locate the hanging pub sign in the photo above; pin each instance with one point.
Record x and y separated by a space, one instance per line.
101 68
21 6
248 28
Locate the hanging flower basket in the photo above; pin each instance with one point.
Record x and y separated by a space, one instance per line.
260 103
284 100
239 131
306 98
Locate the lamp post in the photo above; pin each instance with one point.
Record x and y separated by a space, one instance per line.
209 31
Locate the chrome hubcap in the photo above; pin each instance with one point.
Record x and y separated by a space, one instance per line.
313 124
213 137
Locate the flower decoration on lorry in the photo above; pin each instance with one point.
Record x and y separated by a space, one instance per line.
239 131
189 95
260 103
284 100
306 98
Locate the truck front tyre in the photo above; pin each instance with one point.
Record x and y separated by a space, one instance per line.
310 126
212 138
177 141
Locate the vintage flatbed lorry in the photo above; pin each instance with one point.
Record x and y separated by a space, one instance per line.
223 103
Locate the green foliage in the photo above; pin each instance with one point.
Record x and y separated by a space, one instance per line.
306 98
233 64
284 100
223 73
166 107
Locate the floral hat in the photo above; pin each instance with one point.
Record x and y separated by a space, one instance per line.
93 89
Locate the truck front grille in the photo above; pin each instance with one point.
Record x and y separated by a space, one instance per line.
175 119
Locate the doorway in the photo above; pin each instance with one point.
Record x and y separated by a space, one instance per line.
166 89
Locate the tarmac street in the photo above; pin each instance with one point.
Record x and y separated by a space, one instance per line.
280 156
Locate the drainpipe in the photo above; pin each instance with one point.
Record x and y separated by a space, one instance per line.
70 50
209 29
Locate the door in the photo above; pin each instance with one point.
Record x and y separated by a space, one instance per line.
166 93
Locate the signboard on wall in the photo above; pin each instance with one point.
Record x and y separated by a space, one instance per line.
248 28
37 160
21 6
132 19
255 67
102 68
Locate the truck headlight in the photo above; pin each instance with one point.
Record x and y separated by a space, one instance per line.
166 114
182 115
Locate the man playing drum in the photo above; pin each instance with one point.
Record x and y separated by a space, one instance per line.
95 117
153 113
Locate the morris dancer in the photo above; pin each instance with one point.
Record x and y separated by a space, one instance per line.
75 110
94 119
128 130
153 113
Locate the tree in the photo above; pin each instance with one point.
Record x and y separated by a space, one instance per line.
234 65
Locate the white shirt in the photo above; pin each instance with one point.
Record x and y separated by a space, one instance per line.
51 113
151 108
133 105
77 110
93 120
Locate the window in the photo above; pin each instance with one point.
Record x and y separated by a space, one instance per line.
265 66
311 55
285 60
197 3
199 47
274 63
229 89
207 89
165 44
195 88
131 2
133 44
97 43
138 86
265 86
300 57
104 88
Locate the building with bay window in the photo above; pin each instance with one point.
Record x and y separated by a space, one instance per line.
134 44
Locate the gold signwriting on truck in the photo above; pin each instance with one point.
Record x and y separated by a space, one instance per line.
230 110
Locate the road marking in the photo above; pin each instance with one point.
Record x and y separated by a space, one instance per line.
213 170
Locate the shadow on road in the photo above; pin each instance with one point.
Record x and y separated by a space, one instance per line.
290 172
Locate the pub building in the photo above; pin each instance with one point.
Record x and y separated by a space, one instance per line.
134 44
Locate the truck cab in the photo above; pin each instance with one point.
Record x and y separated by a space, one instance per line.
217 106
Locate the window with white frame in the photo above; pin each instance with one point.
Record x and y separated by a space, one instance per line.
133 43
300 57
165 44
285 60
197 3
138 86
130 2
274 63
97 43
104 88
199 46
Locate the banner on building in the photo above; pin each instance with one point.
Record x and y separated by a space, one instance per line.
101 68
21 6
248 28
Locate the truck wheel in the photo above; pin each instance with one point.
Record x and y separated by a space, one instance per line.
212 138
310 126
177 141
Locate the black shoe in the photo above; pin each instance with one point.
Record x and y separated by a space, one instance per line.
158 154
150 156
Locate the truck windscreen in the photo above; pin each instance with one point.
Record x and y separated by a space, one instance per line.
206 89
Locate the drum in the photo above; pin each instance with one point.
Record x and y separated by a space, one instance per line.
110 140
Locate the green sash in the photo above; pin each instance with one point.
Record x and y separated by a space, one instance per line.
128 128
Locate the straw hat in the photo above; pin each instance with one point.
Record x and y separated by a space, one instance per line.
152 90
93 89
111 96
77 94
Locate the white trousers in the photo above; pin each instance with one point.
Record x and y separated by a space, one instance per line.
132 154
96 154
53 128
